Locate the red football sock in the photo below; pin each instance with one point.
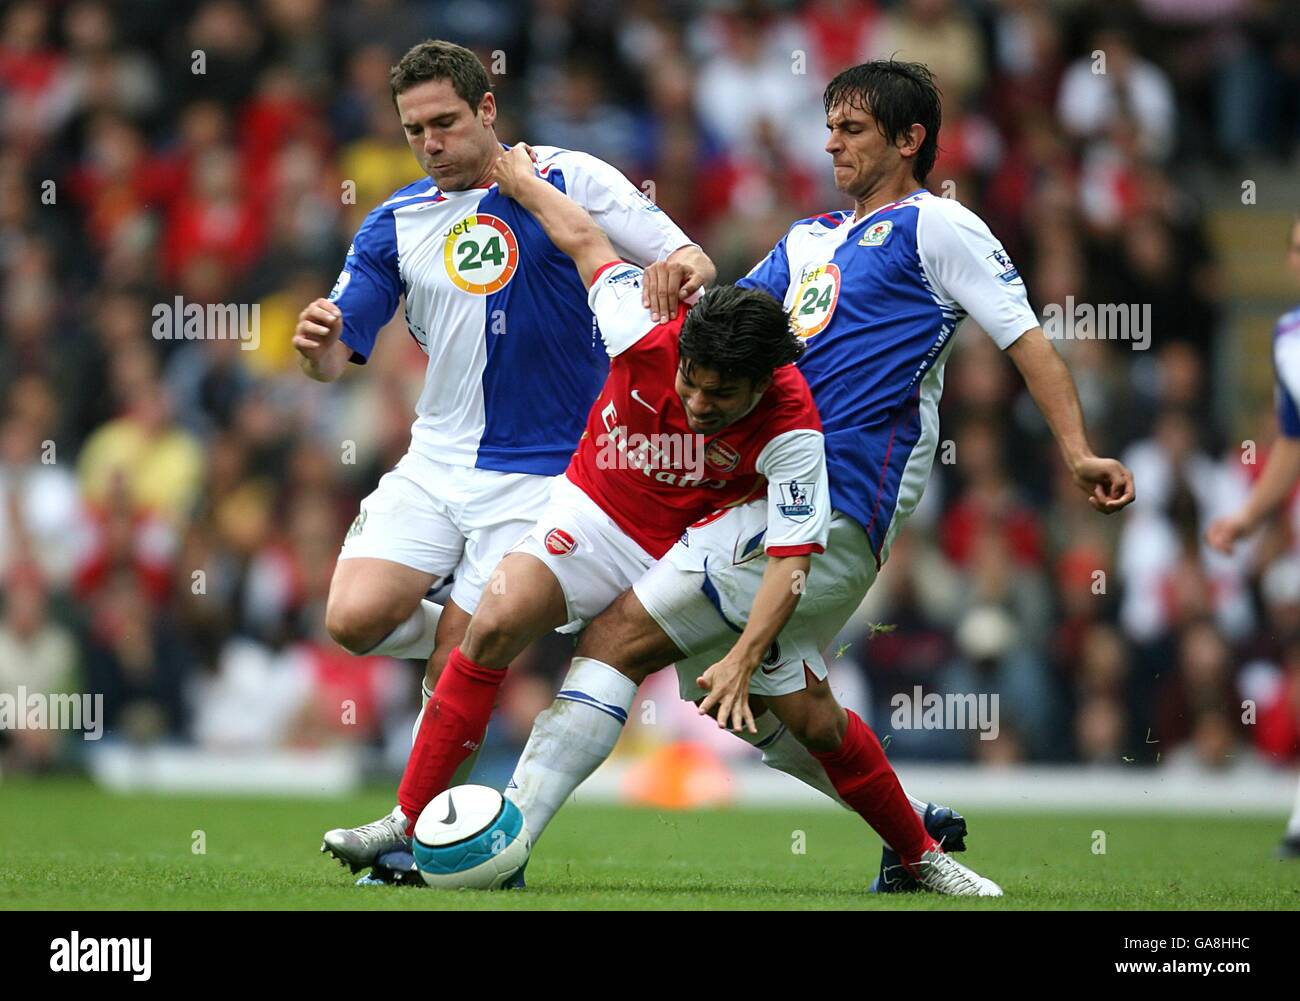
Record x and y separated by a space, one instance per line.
864 779
454 722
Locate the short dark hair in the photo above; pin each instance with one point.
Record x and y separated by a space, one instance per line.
897 95
433 59
738 333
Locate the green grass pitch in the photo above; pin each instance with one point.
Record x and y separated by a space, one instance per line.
67 845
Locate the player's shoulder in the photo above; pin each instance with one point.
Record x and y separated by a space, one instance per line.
572 161
378 232
424 188
380 218
822 222
791 405
932 208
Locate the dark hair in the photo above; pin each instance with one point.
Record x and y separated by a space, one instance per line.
438 60
738 333
897 95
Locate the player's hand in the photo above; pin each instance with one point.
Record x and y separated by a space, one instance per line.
667 284
727 685
1224 533
320 324
513 167
1107 482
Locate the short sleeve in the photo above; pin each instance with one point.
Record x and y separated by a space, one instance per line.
639 229
615 299
1286 364
370 285
968 268
798 493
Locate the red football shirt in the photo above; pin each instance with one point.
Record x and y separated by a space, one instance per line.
641 462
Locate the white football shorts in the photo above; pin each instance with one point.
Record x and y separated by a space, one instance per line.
591 556
701 592
444 519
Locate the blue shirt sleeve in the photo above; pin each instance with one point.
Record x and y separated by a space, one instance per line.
1288 414
370 284
771 274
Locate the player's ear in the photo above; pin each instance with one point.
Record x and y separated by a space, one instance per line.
487 109
911 143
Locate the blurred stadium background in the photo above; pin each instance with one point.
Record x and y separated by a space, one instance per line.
170 511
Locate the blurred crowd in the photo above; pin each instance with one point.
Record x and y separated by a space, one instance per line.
170 510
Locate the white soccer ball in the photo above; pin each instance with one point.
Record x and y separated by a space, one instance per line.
470 837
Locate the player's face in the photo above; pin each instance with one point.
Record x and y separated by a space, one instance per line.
712 402
453 142
862 158
1293 251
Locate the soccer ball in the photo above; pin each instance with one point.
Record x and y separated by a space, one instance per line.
470 837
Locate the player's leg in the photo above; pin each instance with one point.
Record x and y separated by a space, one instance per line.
578 731
566 570
856 764
378 607
618 650
529 604
403 541
384 843
701 593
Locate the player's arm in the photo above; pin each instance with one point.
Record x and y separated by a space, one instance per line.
321 354
565 221
1107 482
642 233
798 523
965 261
1283 466
331 332
667 283
727 682
1274 484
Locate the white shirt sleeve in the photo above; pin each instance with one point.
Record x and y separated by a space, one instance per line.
639 229
968 270
615 299
798 493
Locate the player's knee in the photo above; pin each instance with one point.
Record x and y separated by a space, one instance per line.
605 646
492 636
355 627
821 729
631 643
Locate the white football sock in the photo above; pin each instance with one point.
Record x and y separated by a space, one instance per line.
784 753
1293 825
569 740
426 693
413 639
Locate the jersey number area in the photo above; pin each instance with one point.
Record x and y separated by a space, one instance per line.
814 302
481 254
